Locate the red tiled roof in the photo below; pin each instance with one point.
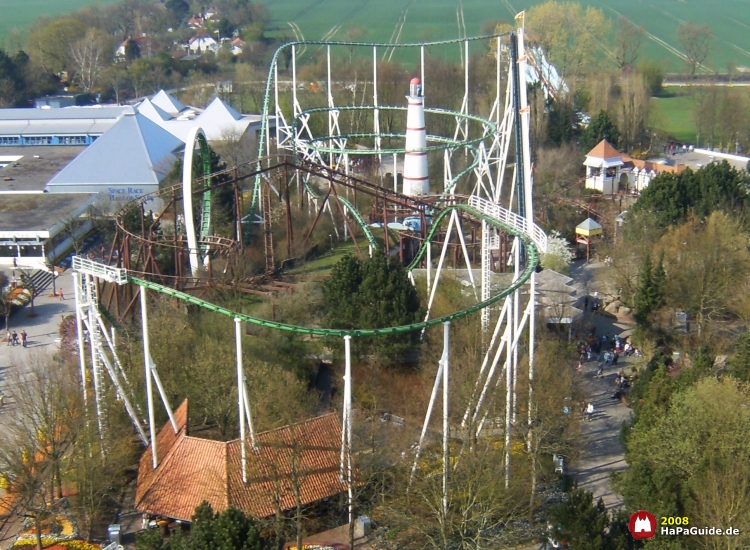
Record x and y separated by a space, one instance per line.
604 150
314 446
192 470
655 167
165 440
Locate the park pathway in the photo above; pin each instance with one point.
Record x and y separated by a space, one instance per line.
43 330
601 453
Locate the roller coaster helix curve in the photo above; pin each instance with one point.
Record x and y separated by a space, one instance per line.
325 158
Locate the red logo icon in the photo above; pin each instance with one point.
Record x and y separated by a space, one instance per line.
642 525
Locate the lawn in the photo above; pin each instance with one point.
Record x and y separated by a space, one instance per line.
673 114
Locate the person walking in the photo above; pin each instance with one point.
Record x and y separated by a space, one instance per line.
589 411
8 337
24 336
14 338
600 370
62 297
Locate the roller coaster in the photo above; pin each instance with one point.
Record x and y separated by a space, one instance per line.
319 166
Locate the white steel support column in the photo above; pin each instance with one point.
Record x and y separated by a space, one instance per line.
376 111
486 275
516 305
149 385
428 415
532 311
348 426
346 413
508 401
77 288
241 396
428 244
295 105
446 412
276 100
440 266
330 105
421 65
89 289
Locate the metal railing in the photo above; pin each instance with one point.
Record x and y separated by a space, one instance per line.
512 219
102 271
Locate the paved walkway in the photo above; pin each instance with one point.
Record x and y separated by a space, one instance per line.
602 451
42 329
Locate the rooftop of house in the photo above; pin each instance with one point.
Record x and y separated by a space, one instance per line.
192 469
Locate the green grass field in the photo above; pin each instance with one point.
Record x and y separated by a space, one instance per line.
18 14
415 20
674 115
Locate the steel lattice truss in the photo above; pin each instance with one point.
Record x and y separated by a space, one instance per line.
485 141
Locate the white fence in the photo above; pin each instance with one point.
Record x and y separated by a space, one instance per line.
512 219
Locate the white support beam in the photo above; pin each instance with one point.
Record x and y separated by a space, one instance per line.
241 396
149 385
446 413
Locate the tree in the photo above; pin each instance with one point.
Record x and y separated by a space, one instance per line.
581 522
46 411
685 461
375 293
568 34
644 298
116 76
672 197
627 42
706 264
695 41
659 284
601 127
50 43
227 530
178 9
91 54
132 50
634 104
653 75
558 256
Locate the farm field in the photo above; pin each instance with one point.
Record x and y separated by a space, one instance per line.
18 14
417 20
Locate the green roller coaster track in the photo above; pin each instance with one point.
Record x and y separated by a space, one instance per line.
445 143
206 210
533 258
270 79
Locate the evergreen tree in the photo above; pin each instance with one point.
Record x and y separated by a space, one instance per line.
644 297
659 284
372 294
229 530
601 127
340 293
580 522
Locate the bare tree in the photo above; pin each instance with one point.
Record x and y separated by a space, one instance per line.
627 42
91 54
44 399
695 41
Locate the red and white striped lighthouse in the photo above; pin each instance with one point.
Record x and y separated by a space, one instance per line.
416 181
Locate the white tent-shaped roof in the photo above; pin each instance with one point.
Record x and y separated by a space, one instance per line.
167 103
153 112
135 153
